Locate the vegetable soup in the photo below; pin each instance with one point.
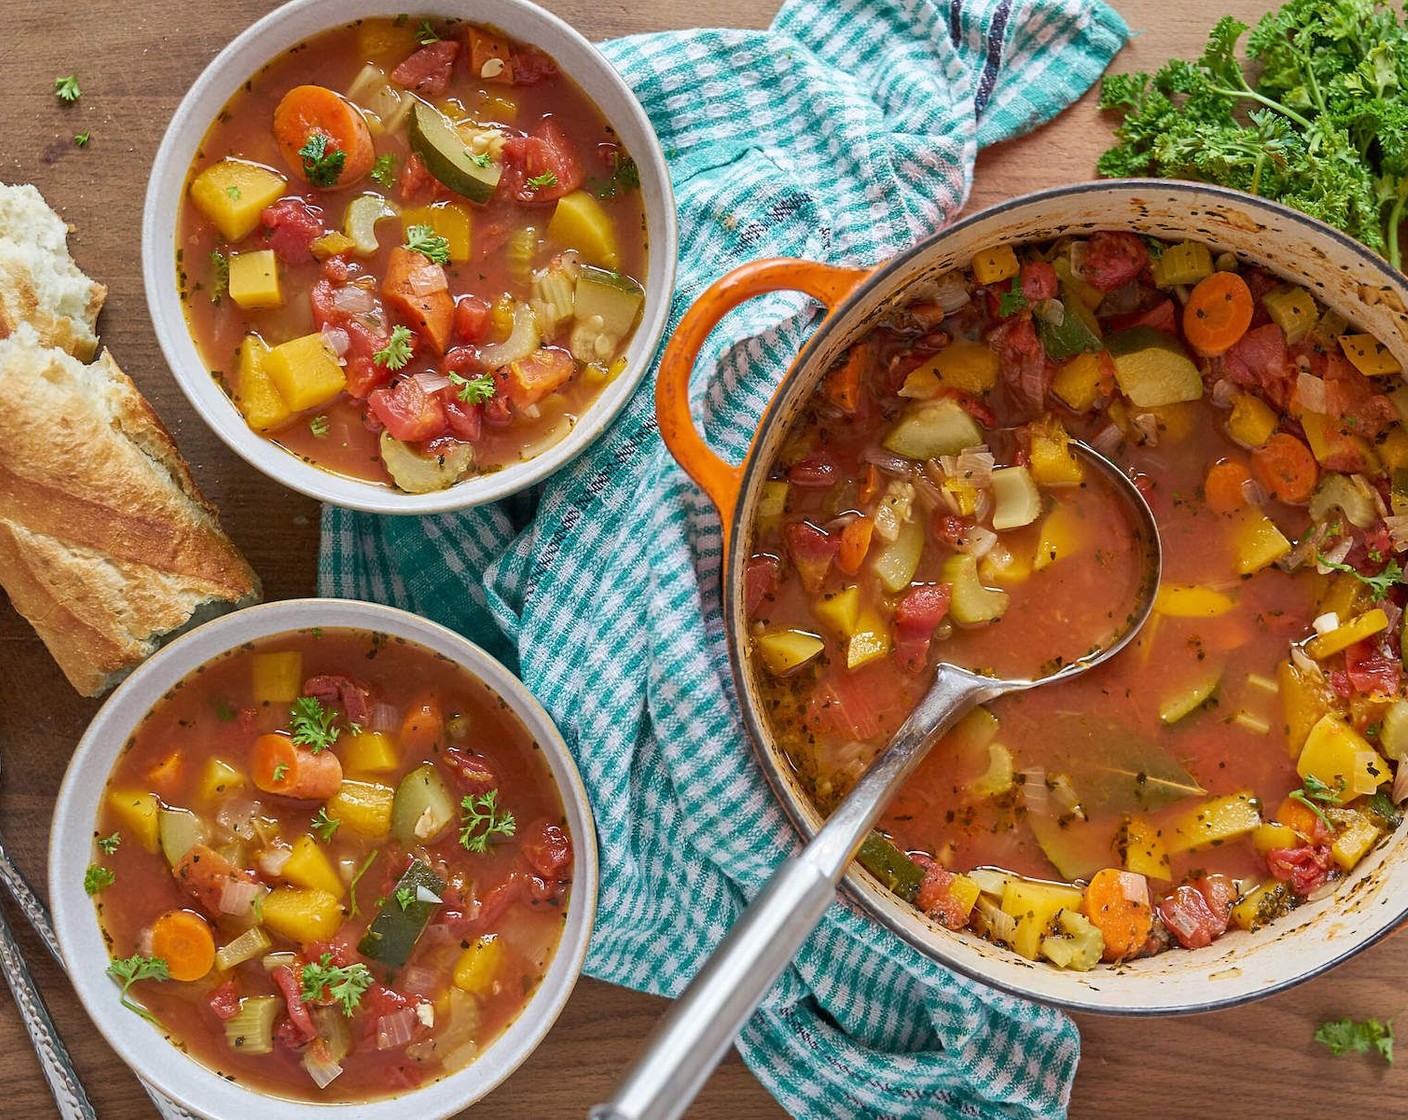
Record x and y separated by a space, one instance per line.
1235 759
411 251
331 865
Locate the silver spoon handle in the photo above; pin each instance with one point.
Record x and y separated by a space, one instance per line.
695 1033
58 1068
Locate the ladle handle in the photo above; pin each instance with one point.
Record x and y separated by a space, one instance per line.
695 1033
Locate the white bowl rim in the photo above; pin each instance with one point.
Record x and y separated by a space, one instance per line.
287 25
145 1048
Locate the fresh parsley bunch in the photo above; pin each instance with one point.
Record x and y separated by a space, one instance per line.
1316 117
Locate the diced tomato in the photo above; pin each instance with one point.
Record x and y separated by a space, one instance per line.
532 66
849 704
472 317
466 421
337 270
1305 868
471 774
917 616
762 576
1113 259
498 413
530 379
288 983
379 1000
291 226
548 850
427 72
1258 362
364 372
1163 316
935 898
1371 671
342 694
1189 918
410 413
417 184
816 470
1021 360
1219 892
546 157
403 1075
811 551
204 874
949 528
1039 281
1350 397
495 904
289 1036
225 1000
976 407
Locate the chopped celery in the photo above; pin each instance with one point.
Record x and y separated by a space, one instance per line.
931 429
1184 263
418 473
997 778
423 807
248 945
1077 943
359 222
1349 493
553 295
891 866
1293 310
251 1029
972 603
1018 502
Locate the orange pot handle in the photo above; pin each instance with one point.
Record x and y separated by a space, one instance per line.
718 478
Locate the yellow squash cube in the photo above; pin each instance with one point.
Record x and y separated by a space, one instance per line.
869 642
254 280
1270 835
785 650
1342 760
967 365
840 610
1141 848
1354 841
1305 697
371 752
1214 822
309 866
1175 600
302 915
446 220
1035 905
305 372
254 394
1262 904
1393 448
1256 542
363 807
1251 422
231 194
277 677
221 778
478 966
1002 567
994 265
332 244
1061 535
1368 355
1082 381
136 810
1053 463
1342 637
579 222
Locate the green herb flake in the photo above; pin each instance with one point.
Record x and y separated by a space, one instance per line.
82 138
97 879
312 725
280 771
357 878
221 282
1011 301
109 844
322 164
480 160
324 982
384 170
397 351
324 825
133 970
1378 585
404 897
318 425
1359 1036
473 390
424 240
425 34
1315 793
66 89
481 820
546 179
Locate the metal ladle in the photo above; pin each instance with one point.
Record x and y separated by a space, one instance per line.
695 1033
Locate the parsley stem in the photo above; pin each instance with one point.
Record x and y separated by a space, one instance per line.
1248 94
1395 220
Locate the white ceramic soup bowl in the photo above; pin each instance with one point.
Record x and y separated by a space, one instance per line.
145 1047
1240 966
270 37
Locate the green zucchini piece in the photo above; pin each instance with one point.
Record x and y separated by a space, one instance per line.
423 806
435 140
396 928
179 830
616 298
1152 368
931 429
892 867
1078 332
1188 700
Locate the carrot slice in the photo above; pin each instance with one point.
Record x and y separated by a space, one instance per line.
855 543
281 766
1223 487
1285 466
432 314
843 384
482 48
184 941
1218 313
424 726
309 111
1117 902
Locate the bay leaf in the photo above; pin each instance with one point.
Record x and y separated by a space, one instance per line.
1112 768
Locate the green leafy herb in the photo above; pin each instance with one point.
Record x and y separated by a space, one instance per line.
280 771
224 712
325 825
312 725
1381 805
397 351
221 265
342 984
424 240
354 728
318 426
82 138
480 160
404 897
481 820
1011 301
322 164
133 970
1378 585
357 878
110 844
1323 127
625 177
546 179
66 88
425 34
234 192
1345 1035
384 170
1315 791
97 879
473 390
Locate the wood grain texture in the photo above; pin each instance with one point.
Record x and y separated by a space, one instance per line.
134 60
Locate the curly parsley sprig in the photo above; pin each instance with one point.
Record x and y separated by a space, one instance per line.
322 981
481 820
133 970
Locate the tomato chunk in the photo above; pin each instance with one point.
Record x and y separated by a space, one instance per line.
1113 259
427 72
409 413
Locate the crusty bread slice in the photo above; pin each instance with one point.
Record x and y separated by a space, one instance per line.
39 283
106 544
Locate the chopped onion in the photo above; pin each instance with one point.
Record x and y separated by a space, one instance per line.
1065 796
238 896
1035 795
1253 492
888 461
272 860
338 340
426 279
430 381
237 815
1108 439
1397 527
419 980
974 466
352 300
951 292
1400 784
984 505
1304 549
1224 392
930 495
1326 623
1334 555
396 1029
385 717
1310 390
1147 425
1078 250
1305 663
425 1012
978 541
320 1067
522 340
424 894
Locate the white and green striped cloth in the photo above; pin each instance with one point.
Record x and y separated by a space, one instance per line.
845 132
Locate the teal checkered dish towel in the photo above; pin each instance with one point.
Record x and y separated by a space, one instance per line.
844 133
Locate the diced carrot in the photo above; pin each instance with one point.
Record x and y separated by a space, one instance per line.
1299 816
1117 902
842 386
424 725
1285 466
281 766
166 773
482 48
432 315
1223 487
1218 313
204 874
184 941
855 543
873 481
308 111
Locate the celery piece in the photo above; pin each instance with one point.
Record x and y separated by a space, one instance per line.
251 1029
1184 263
1078 943
1351 494
1293 310
251 943
972 603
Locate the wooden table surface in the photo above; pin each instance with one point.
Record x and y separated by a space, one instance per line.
134 61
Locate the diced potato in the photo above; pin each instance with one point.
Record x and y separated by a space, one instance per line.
997 778
964 891
1262 905
136 810
1342 760
254 280
1330 441
277 677
1270 835
1342 637
965 364
972 603
305 371
1035 905
1078 943
479 965
1305 697
870 640
1142 849
220 778
1214 822
839 610
1368 355
1061 535
363 807
447 220
332 244
1053 463
1354 841
232 193
370 752
255 395
785 650
994 265
1251 422
1293 310
772 504
309 866
579 222
1084 380
1018 501
1256 542
1177 600
302 915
